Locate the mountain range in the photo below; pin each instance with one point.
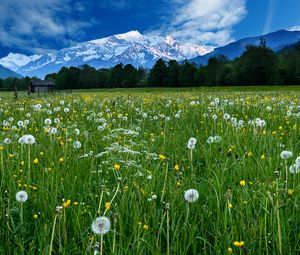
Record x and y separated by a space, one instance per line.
276 41
128 48
5 73
136 49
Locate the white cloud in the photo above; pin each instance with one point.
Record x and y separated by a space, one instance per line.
203 21
272 6
295 28
28 24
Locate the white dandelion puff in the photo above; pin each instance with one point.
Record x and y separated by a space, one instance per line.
286 154
29 139
294 169
192 143
101 225
21 196
191 195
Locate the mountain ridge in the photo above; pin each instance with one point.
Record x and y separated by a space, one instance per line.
129 48
276 41
6 73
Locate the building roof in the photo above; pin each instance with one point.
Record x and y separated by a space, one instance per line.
42 83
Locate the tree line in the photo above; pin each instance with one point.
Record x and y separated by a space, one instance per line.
258 65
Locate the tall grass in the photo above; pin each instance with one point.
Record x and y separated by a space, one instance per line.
134 166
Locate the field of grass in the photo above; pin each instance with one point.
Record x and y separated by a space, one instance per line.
128 155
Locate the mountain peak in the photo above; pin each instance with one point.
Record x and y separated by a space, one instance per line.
129 35
169 40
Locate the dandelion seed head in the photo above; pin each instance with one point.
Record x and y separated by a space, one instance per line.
101 225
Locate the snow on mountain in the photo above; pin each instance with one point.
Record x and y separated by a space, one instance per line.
14 61
128 48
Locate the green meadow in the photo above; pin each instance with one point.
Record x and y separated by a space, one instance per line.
116 171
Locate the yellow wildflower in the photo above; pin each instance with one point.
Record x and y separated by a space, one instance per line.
67 203
242 183
117 166
162 157
107 205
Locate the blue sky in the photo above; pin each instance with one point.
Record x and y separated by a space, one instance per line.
42 26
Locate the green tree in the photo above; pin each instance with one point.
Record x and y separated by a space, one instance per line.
257 66
158 74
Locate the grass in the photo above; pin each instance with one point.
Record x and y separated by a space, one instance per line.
134 167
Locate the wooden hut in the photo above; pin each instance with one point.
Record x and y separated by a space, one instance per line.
39 86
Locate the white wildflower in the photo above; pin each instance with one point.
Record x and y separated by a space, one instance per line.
191 195
101 225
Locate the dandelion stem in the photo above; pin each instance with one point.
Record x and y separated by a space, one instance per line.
21 214
278 218
168 233
165 183
28 163
101 245
286 179
100 202
117 190
52 235
192 170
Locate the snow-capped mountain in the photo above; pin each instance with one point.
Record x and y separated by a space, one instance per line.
6 73
128 48
14 61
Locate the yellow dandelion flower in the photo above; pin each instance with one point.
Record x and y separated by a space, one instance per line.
35 161
229 206
290 192
67 203
107 205
61 159
162 157
35 216
229 250
117 166
242 183
176 167
145 227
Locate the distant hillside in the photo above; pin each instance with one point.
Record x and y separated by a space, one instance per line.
5 73
276 41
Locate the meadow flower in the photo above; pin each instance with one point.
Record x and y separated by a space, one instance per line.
20 123
48 121
191 143
162 157
7 141
238 244
29 139
101 225
107 205
21 196
77 145
67 203
286 154
117 166
226 116
297 161
242 183
294 169
191 195
76 131
53 131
